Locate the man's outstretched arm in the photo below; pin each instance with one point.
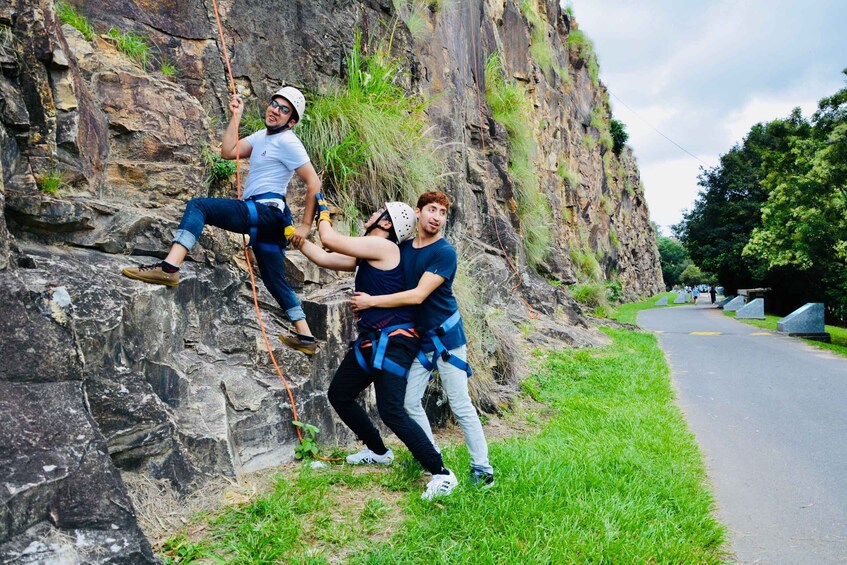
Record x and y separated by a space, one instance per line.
428 283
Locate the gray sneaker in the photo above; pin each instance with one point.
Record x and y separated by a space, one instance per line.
481 479
152 274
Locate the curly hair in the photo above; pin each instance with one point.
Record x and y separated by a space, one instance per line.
433 196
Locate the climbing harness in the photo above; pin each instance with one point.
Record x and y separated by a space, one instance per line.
274 200
378 361
441 350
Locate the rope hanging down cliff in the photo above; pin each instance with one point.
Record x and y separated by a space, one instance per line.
244 239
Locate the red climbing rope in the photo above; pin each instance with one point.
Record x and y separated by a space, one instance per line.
244 239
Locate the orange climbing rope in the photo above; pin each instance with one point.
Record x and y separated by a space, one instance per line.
244 239
531 312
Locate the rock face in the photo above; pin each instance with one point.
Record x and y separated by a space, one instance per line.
101 375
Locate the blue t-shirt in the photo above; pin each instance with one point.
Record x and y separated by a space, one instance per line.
440 259
377 282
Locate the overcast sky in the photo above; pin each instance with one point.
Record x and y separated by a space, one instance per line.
703 72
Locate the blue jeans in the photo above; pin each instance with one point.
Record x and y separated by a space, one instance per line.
232 215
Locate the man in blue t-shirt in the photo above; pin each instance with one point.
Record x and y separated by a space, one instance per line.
430 263
276 155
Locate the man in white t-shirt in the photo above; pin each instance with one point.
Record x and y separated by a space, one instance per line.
276 154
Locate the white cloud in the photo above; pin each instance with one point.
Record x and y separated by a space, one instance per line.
670 186
703 73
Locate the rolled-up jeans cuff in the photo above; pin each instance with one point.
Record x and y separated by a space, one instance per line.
185 238
295 314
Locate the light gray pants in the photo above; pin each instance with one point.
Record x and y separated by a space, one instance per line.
455 384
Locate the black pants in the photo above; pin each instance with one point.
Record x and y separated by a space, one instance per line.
350 380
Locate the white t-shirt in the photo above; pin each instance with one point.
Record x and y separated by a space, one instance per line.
273 161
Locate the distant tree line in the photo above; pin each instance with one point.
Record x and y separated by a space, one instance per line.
773 213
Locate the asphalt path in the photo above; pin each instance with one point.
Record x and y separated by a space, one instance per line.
770 416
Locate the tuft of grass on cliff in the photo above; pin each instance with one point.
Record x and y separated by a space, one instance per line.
368 138
612 476
69 15
511 107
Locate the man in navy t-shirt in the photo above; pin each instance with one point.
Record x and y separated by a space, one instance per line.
429 263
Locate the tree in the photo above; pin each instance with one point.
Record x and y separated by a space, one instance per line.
692 276
728 208
673 258
619 135
804 220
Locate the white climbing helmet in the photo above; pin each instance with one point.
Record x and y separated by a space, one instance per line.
295 97
402 218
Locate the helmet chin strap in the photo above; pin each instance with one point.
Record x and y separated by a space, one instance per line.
272 131
375 225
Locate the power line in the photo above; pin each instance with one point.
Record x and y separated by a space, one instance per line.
657 131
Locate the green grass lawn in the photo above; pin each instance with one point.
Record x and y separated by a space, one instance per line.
609 474
838 335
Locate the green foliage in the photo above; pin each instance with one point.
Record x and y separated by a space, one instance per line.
590 294
586 265
69 15
132 45
308 446
804 220
588 142
583 48
619 135
368 139
613 236
539 47
510 106
692 276
168 69
51 182
253 118
614 290
218 169
674 259
414 14
568 175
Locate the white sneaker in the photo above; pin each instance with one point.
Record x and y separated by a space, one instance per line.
440 485
368 457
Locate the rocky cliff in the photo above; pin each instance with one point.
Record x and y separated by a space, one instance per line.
103 378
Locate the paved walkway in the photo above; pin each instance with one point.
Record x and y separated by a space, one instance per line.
770 416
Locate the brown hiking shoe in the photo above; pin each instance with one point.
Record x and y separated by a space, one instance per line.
152 274
294 342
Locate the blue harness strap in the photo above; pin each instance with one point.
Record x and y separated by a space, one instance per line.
441 350
254 222
378 360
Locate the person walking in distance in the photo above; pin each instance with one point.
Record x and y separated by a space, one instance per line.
387 342
430 264
276 155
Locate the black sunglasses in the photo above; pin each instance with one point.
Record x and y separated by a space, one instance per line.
277 106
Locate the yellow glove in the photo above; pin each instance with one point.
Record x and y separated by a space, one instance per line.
323 209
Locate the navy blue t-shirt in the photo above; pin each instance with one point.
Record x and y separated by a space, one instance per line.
440 259
377 282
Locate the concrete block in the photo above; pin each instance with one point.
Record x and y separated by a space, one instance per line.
754 310
807 321
726 300
663 301
734 304
681 297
